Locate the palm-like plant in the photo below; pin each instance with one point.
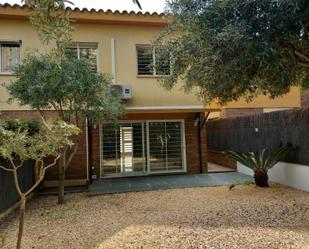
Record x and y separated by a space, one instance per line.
260 162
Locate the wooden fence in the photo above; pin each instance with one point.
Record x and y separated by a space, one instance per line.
253 133
8 194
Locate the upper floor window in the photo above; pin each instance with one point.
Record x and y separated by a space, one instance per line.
9 56
85 50
149 64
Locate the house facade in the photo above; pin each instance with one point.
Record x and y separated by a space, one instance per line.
163 131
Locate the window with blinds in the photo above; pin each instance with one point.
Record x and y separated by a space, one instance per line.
9 56
123 150
84 50
149 64
135 148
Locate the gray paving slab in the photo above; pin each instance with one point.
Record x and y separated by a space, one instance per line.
148 183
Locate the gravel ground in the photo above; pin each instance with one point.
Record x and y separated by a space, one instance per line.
213 217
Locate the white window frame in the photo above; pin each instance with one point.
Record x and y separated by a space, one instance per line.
8 42
146 143
72 45
154 74
101 149
183 138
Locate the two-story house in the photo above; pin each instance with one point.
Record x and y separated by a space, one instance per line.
162 132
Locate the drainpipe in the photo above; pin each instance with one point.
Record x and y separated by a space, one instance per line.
90 155
113 60
200 141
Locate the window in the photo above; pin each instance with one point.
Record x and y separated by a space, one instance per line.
85 50
9 56
148 62
123 149
142 147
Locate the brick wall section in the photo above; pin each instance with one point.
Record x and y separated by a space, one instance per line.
218 158
78 167
304 99
191 137
203 143
240 112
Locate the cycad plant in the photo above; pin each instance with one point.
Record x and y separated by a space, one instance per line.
260 162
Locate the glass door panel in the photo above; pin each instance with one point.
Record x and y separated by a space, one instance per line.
157 146
174 145
123 151
165 146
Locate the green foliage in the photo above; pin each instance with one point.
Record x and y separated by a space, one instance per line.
48 141
69 86
30 126
263 160
234 48
52 21
2 240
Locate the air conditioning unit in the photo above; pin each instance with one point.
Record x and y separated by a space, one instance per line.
125 91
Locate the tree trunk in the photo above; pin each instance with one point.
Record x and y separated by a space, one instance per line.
22 210
62 165
261 178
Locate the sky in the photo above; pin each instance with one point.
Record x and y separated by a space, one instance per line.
147 5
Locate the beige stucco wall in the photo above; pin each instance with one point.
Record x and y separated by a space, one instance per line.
292 99
146 90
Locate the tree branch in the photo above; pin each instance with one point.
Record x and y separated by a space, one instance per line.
17 182
42 114
304 64
52 164
20 165
71 155
6 169
41 176
301 55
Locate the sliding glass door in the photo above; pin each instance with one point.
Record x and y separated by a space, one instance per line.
165 146
123 150
135 148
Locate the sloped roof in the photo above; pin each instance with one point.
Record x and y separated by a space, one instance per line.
92 10
93 15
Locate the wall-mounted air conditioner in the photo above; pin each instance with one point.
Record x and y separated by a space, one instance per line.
125 91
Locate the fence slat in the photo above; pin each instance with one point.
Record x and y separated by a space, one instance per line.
8 194
274 129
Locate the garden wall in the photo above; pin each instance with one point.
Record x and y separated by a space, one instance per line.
289 174
8 194
253 133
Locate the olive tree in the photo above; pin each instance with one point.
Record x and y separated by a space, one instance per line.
69 88
234 48
18 146
58 82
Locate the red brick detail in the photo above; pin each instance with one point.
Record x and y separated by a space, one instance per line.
218 157
304 99
240 112
191 137
78 167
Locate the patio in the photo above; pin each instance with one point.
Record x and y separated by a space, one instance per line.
148 183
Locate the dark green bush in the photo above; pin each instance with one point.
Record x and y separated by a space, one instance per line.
14 124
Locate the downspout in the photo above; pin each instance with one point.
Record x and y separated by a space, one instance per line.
113 60
90 155
200 141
